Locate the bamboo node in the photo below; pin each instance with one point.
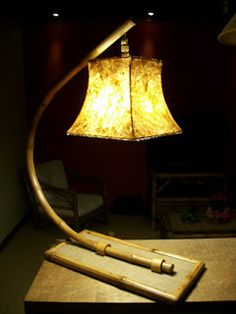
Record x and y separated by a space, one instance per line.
156 265
62 224
101 248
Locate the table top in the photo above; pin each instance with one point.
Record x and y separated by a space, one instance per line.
217 284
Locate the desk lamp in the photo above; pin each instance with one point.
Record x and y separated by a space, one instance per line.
124 101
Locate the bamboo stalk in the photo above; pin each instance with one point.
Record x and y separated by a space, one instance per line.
105 248
156 265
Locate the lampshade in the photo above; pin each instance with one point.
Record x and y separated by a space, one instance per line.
228 34
124 101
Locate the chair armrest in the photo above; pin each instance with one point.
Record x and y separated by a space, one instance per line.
91 185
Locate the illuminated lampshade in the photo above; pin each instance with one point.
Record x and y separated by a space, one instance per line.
228 34
124 101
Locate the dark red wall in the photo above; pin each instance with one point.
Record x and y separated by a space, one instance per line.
199 76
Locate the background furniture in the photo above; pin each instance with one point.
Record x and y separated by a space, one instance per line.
75 206
176 227
57 289
181 191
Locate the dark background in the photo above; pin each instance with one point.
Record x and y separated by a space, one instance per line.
199 78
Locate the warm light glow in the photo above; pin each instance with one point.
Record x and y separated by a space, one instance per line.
124 101
228 34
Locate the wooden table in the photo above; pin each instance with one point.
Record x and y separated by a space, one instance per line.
56 289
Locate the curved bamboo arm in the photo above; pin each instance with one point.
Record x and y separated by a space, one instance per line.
120 31
99 247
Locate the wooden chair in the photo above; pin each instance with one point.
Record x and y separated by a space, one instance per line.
77 208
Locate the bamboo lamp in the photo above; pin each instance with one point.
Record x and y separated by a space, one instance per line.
139 112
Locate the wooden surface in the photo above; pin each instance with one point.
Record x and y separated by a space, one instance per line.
59 290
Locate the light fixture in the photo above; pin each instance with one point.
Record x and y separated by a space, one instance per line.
61 224
139 111
228 35
124 101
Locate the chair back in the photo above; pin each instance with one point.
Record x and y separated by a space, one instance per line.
53 173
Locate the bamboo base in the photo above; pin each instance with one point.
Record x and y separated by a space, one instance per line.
166 287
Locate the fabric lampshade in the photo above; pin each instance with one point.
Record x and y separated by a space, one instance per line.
124 101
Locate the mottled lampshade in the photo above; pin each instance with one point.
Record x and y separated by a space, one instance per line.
228 35
124 101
